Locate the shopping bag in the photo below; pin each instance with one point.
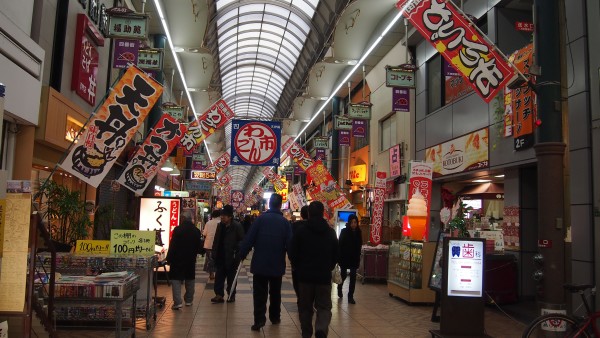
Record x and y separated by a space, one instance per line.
336 275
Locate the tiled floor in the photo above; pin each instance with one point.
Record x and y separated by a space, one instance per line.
376 314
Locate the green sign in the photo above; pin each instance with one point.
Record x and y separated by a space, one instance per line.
342 123
175 111
359 111
399 77
150 59
128 26
288 169
132 242
321 142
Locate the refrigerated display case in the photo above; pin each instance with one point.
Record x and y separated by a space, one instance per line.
409 269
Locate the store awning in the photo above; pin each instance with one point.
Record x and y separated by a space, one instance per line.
485 190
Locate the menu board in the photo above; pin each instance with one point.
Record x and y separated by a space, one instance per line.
465 267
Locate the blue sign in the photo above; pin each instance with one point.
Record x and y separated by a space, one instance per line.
256 143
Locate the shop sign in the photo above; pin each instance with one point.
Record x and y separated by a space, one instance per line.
204 175
152 154
378 202
126 52
399 77
112 126
321 154
465 267
274 178
342 123
221 163
150 59
289 169
466 49
160 214
321 142
255 143
297 153
421 175
400 99
225 179
359 111
358 173
85 59
545 243
177 112
97 13
206 124
197 185
344 138
359 128
522 101
128 26
132 242
524 26
466 153
395 160
327 187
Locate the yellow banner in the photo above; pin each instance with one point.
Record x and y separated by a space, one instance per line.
358 173
132 242
96 247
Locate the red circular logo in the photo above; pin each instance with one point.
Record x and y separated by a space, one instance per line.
255 143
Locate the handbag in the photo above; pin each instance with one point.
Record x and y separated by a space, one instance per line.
336 274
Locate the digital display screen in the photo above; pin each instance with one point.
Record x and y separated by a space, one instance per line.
343 215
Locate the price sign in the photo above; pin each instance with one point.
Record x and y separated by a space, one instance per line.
96 247
132 242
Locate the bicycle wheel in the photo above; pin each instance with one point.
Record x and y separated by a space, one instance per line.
553 325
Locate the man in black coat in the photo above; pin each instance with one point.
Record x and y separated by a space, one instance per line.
295 226
183 249
225 253
314 253
350 247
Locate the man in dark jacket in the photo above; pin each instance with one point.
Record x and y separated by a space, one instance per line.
270 236
295 226
314 253
350 247
183 249
225 253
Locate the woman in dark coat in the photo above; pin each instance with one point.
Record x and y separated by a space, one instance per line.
350 247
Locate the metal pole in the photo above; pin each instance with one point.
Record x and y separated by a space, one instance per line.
405 40
143 6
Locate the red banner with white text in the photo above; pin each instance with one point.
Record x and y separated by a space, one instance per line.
378 200
221 163
421 177
206 124
440 23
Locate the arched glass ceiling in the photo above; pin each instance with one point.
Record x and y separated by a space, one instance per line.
259 46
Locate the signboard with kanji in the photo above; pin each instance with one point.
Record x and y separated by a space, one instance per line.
160 215
150 59
206 175
321 142
85 59
129 26
132 242
206 124
342 123
359 111
256 143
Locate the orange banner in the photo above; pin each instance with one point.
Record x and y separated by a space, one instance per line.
326 186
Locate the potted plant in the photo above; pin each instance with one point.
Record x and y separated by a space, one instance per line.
458 224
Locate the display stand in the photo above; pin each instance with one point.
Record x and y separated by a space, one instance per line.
409 268
373 263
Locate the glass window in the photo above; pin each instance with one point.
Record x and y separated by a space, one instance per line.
387 132
434 83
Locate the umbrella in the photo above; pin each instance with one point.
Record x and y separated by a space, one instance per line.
233 285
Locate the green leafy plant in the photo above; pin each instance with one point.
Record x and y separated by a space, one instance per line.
107 218
460 221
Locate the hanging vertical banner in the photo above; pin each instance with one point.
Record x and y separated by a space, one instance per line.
237 198
400 99
344 138
259 191
255 143
298 154
440 23
421 175
152 154
321 154
378 200
274 178
212 119
226 194
125 52
225 179
299 192
85 59
359 128
294 204
327 186
112 126
508 113
395 158
221 163
523 101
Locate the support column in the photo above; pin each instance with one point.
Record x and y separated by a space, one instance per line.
23 160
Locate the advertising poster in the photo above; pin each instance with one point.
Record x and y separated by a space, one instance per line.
112 127
205 125
395 161
274 178
378 201
298 154
468 52
152 154
160 214
256 143
465 153
327 186
221 163
465 268
400 99
421 175
299 192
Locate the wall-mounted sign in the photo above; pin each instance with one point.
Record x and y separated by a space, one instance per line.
288 169
85 59
205 175
395 161
400 99
126 52
358 173
177 112
524 26
399 77
342 123
468 152
321 142
97 13
150 59
465 268
359 111
359 128
128 26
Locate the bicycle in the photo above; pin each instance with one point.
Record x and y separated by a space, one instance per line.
562 325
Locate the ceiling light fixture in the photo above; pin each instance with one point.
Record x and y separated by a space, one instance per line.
481 181
178 49
167 166
499 176
163 21
175 171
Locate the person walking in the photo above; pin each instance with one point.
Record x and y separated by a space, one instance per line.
350 247
270 236
225 252
295 226
314 253
209 236
183 249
